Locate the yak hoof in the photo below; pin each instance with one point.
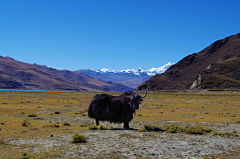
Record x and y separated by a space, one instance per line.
97 122
128 129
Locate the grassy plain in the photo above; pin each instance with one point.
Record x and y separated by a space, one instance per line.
55 110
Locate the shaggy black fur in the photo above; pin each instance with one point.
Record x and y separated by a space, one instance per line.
116 109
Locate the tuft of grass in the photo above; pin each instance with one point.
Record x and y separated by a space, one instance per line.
56 112
66 124
25 123
227 134
142 130
57 126
79 138
152 128
2 142
84 125
32 115
82 113
94 127
100 127
233 115
175 129
196 130
24 153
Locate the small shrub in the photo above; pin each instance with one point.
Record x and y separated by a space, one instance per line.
101 127
152 128
32 115
233 115
25 123
24 153
79 138
207 130
174 128
56 126
81 112
66 124
194 130
92 127
234 131
84 125
218 134
2 142
56 112
228 134
142 130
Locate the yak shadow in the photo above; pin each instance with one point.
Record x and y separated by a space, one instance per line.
122 129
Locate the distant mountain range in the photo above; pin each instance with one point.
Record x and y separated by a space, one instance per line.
18 75
130 77
215 67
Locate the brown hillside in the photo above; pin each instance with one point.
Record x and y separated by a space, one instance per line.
18 75
8 83
181 75
222 75
91 83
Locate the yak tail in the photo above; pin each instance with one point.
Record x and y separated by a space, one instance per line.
90 110
91 107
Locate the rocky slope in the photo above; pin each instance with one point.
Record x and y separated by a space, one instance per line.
222 75
19 75
202 66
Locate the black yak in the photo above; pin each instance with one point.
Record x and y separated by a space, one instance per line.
116 109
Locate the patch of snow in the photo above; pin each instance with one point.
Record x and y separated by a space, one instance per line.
151 72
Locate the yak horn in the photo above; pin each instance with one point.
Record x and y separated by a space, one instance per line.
125 95
144 95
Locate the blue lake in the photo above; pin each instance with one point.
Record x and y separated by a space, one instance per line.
22 90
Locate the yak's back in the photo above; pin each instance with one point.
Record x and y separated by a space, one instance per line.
98 104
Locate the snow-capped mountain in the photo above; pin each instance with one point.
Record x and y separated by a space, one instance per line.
129 77
151 72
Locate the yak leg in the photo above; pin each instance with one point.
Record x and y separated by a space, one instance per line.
97 122
126 122
126 125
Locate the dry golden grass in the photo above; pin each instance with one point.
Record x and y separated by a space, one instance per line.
215 107
212 107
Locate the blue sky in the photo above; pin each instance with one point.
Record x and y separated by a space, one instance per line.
113 34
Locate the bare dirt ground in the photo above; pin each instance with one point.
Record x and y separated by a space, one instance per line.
118 143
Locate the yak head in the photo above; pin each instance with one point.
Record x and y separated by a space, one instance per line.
134 99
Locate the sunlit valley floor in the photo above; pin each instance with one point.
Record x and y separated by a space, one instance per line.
42 125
